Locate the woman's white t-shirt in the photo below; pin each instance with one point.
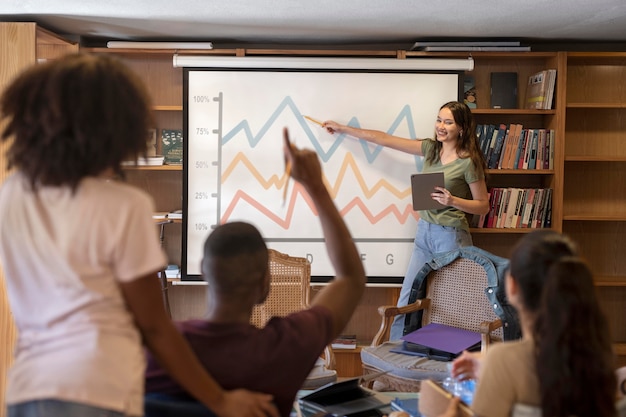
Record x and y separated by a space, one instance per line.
63 255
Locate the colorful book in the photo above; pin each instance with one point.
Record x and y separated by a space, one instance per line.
494 158
469 92
172 146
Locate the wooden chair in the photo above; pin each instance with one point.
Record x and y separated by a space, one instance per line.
455 296
289 292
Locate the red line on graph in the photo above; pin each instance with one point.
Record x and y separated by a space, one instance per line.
285 220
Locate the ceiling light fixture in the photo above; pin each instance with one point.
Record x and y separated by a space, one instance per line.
159 45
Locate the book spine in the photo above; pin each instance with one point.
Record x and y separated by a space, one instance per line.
495 156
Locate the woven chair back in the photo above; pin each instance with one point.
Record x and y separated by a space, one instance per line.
458 297
289 287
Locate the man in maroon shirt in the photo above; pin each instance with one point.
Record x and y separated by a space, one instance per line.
277 358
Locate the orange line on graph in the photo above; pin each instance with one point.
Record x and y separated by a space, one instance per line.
368 192
274 180
285 221
348 162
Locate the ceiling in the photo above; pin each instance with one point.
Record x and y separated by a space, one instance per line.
319 22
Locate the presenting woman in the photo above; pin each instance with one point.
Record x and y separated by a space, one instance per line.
455 152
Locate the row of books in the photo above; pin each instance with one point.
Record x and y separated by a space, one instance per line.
513 147
517 208
540 90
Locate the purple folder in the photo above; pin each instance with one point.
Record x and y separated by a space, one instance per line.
442 337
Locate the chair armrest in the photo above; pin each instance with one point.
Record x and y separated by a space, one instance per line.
387 314
486 327
329 357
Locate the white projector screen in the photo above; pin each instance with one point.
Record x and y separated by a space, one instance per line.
234 166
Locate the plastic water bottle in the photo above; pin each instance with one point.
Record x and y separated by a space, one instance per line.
462 389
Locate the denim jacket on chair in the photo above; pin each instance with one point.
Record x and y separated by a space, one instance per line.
495 267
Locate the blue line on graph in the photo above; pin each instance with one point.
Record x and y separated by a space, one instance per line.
253 140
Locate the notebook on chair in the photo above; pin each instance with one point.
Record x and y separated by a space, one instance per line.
439 342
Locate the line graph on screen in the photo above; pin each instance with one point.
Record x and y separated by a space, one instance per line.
235 167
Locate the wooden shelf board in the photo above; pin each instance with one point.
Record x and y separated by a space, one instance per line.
500 230
618 217
520 171
513 111
609 281
596 55
504 55
596 105
147 51
595 158
620 348
154 167
167 108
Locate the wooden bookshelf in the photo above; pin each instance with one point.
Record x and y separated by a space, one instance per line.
594 191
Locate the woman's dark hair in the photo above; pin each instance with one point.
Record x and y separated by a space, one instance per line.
74 117
530 260
574 361
467 142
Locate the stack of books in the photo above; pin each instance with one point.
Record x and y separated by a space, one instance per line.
345 341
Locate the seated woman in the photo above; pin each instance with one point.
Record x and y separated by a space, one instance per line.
563 365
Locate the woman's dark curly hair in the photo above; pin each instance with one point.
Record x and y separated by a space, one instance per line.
74 117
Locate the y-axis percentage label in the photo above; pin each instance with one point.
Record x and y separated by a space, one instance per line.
203 131
201 226
201 99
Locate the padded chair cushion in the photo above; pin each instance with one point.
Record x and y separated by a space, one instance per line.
404 366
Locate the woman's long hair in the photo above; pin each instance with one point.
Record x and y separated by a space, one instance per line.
467 143
574 360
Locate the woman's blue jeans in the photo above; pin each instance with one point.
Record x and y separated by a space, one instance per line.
57 408
430 239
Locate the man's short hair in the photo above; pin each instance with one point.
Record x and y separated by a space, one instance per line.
235 255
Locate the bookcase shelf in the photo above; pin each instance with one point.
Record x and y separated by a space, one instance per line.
594 191
500 240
